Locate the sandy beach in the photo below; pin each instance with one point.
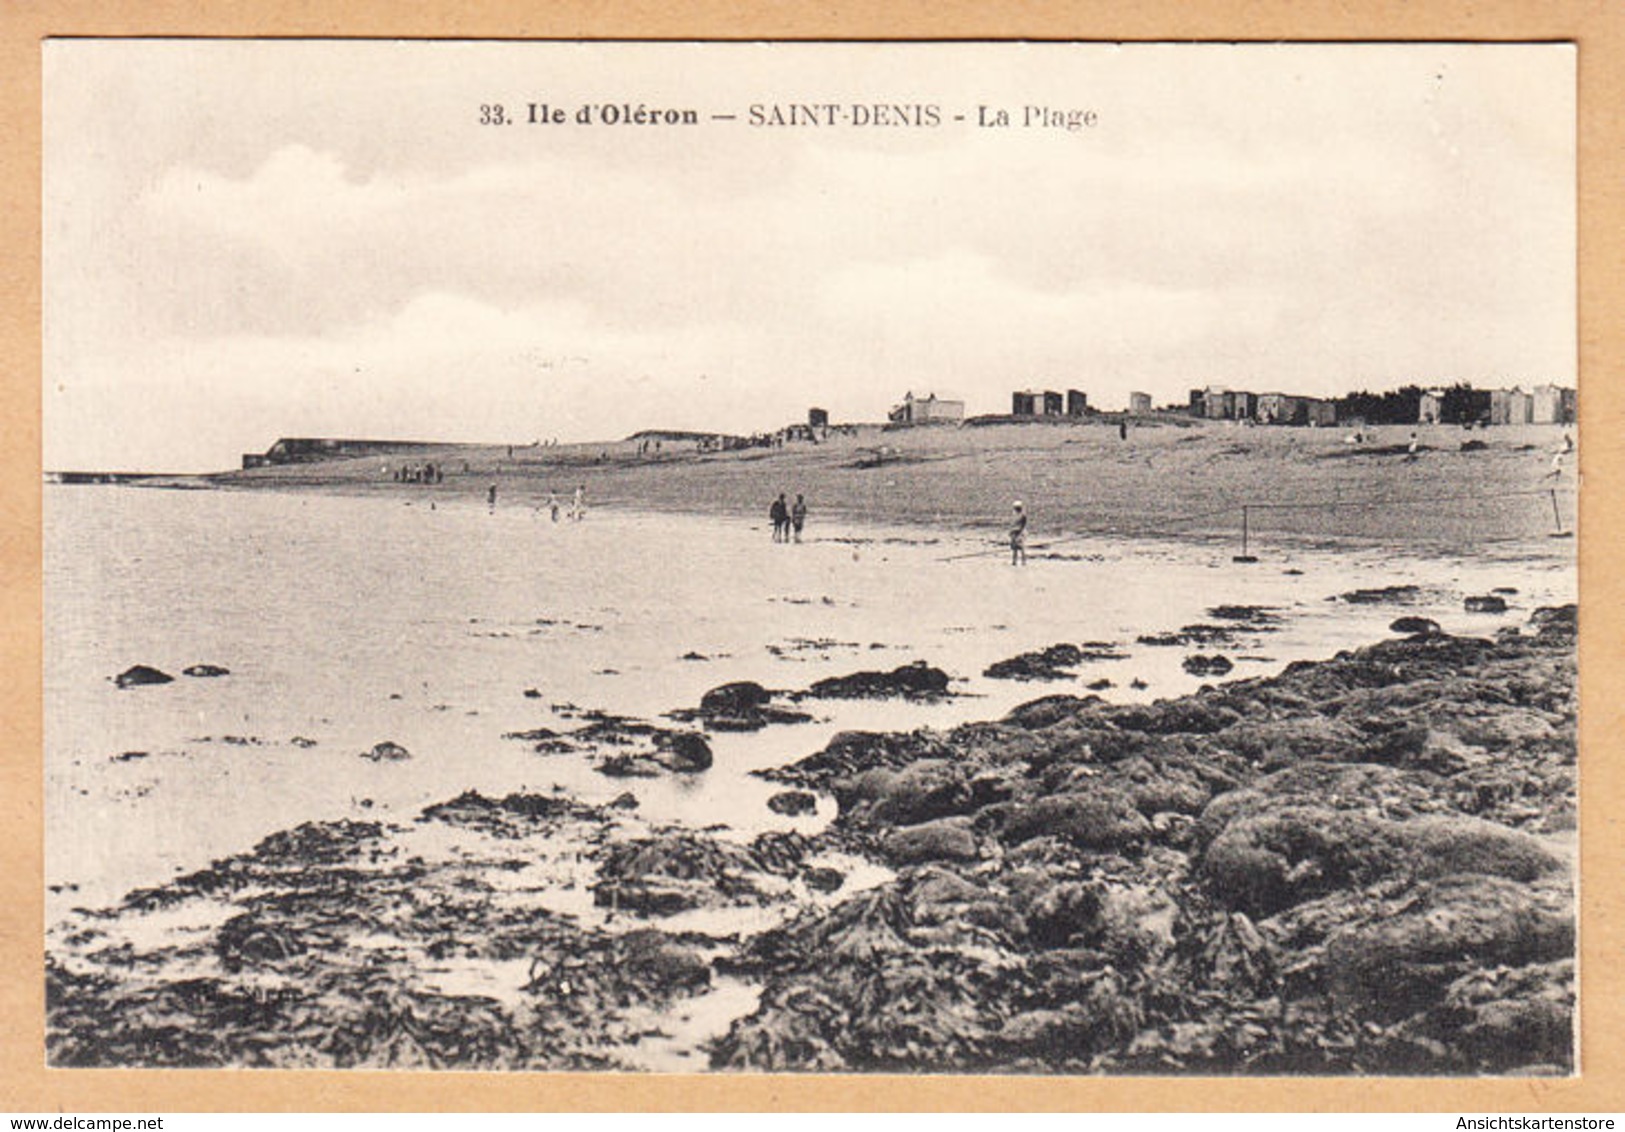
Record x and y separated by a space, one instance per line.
469 788
1171 477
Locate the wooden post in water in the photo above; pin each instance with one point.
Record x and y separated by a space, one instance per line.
1244 556
1557 517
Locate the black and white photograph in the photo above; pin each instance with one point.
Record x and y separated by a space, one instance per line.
1021 558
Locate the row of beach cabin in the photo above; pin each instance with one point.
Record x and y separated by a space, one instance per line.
1543 404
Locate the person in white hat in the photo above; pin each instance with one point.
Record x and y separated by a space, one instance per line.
1018 537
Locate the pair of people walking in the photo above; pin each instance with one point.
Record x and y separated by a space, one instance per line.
788 518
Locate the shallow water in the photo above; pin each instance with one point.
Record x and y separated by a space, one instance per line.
351 621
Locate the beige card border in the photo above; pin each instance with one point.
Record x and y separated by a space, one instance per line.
1597 26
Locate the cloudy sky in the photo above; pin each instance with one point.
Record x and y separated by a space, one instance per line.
250 240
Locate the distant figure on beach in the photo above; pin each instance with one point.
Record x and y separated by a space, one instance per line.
553 505
1122 430
798 516
1410 450
1018 537
780 514
491 497
578 506
1562 451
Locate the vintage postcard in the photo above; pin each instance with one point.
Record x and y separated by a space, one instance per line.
1049 559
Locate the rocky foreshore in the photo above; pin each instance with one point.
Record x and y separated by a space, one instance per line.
1362 865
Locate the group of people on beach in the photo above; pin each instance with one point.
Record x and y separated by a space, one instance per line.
788 518
419 473
578 505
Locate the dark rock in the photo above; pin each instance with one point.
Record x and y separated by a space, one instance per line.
1406 957
738 698
1191 715
915 681
920 792
1102 820
1555 619
1053 663
1384 595
1505 1018
661 959
623 765
683 751
1061 914
302 742
244 940
1486 603
1099 685
851 753
1280 852
1416 626
946 839
139 675
205 670
1194 635
1047 711
1207 665
625 801
740 706
674 871
1256 615
793 803
533 693
824 879
387 752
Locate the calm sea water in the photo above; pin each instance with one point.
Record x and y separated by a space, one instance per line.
346 622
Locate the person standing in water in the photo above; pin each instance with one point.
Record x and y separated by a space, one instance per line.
553 504
491 497
1018 537
798 516
578 508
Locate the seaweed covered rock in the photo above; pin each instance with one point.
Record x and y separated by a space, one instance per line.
946 839
1407 955
1283 854
921 791
1054 663
1106 820
741 706
793 803
1416 626
911 681
677 870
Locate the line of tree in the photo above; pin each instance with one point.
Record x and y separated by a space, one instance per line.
1460 402
1396 406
